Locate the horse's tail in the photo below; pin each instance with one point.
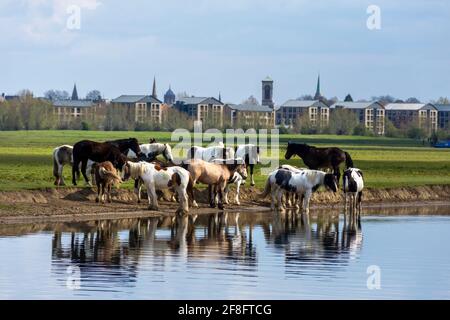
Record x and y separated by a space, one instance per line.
348 160
267 189
56 166
109 175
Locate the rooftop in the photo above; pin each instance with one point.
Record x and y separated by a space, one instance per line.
135 98
250 107
406 106
293 103
442 107
198 100
354 105
74 103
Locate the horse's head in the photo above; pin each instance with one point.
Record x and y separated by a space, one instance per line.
134 145
330 182
126 171
167 153
120 160
295 149
152 140
241 168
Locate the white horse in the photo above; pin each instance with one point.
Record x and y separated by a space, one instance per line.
152 150
250 154
209 153
353 185
157 178
302 183
63 155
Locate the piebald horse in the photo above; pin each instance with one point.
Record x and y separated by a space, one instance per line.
62 156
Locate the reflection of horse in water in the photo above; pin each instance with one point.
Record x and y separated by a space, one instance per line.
311 243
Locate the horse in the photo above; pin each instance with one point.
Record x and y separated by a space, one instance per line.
156 178
215 175
150 151
236 179
353 184
210 153
250 154
290 196
62 155
101 151
319 158
302 183
105 177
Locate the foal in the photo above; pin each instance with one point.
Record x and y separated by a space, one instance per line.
105 176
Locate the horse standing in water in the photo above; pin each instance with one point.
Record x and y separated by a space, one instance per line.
319 158
101 151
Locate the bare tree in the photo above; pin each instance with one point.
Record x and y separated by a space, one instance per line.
94 95
56 95
251 101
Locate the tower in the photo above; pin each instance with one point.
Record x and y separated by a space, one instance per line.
169 97
74 92
154 89
318 96
267 92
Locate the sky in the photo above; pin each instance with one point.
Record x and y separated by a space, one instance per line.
204 47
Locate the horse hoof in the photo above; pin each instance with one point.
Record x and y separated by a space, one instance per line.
220 206
97 200
212 205
139 201
252 184
153 208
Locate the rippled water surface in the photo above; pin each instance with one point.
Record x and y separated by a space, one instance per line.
230 256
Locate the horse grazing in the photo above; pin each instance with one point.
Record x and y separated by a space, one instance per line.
319 158
353 184
215 175
101 151
157 178
302 183
150 151
250 154
210 153
62 155
105 177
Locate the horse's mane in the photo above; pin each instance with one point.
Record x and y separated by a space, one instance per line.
122 140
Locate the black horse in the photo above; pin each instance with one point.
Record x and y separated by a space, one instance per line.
319 158
101 151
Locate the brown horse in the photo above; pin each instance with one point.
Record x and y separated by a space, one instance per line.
319 158
215 175
101 151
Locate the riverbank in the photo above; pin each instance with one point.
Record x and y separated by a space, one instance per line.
78 204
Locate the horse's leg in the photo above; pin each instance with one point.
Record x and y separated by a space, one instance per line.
280 203
98 192
337 173
306 199
83 170
238 188
273 194
212 196
221 188
152 198
225 194
251 174
75 171
61 181
103 192
109 193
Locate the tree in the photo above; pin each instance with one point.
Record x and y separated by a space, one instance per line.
384 99
306 97
251 100
54 95
343 121
442 100
181 95
412 100
94 95
390 130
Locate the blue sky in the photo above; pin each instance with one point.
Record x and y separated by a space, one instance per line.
206 46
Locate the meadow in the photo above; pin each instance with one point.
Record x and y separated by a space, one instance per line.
26 163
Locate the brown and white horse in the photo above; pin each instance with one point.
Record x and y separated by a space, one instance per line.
62 156
105 177
215 175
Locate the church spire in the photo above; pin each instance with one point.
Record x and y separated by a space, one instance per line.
317 96
220 98
74 92
154 88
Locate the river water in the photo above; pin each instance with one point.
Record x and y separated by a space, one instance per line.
403 253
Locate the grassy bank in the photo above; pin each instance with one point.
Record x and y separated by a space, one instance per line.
25 157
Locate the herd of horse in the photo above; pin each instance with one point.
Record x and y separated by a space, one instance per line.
112 162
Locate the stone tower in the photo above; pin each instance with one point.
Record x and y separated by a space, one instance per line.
267 92
74 92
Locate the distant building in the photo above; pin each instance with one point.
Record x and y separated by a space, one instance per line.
202 109
290 112
169 97
73 109
140 108
239 115
443 116
370 114
318 95
402 115
4 97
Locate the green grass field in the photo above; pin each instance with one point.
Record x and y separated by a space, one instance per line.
25 157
